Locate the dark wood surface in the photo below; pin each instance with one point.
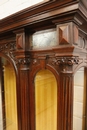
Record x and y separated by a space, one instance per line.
69 17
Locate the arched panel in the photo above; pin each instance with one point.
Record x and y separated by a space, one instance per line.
45 100
8 103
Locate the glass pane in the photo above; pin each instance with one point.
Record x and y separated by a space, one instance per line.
8 104
79 101
44 39
46 101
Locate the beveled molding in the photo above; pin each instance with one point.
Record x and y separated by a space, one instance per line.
46 13
68 34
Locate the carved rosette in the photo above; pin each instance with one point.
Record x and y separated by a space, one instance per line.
65 61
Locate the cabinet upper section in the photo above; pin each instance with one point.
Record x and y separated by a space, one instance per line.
47 15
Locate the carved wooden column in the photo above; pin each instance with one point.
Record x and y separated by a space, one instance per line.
65 101
66 94
66 84
23 60
66 60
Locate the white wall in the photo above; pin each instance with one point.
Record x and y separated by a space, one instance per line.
8 7
79 93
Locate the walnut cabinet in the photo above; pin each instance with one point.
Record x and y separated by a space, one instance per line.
43 67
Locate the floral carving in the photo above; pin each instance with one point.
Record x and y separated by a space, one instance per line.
23 61
66 60
34 61
8 46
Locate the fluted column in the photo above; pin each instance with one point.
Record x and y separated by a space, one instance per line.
66 85
22 58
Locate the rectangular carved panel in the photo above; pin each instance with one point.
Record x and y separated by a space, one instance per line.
19 39
64 34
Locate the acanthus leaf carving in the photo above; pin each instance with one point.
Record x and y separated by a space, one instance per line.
23 61
8 46
34 61
66 60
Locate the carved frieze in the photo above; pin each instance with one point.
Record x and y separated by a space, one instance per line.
23 61
8 46
65 61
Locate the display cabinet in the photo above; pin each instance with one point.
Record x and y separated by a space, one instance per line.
43 67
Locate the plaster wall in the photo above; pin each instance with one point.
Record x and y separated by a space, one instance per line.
79 93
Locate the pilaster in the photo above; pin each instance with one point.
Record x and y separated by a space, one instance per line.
22 58
66 100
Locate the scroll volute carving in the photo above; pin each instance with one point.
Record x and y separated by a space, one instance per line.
65 64
66 61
